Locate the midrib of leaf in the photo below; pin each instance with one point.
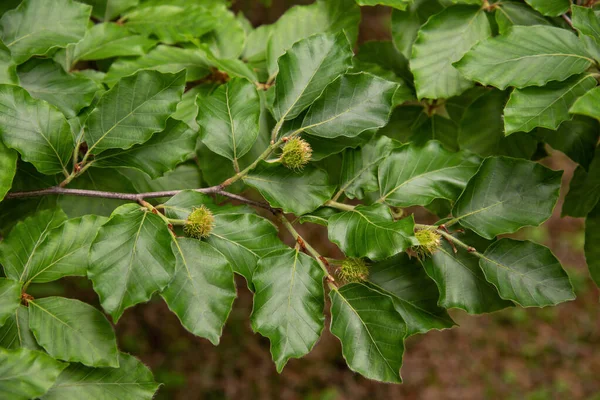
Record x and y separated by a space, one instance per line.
287 310
374 224
133 251
235 243
357 175
233 144
566 55
36 245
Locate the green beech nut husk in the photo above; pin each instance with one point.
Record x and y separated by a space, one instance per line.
429 241
296 154
199 223
353 270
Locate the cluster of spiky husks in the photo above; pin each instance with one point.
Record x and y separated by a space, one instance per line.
199 223
353 270
429 241
296 154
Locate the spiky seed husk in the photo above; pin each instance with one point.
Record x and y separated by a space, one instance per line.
353 270
296 154
429 241
199 223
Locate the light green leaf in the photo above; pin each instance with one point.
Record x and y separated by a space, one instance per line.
592 251
229 119
24 240
526 273
414 294
35 129
386 237
133 110
551 8
546 106
202 291
8 168
444 39
159 155
15 332
507 194
398 4
588 104
165 59
183 203
132 380
294 192
288 303
406 24
350 105
510 13
371 331
8 69
10 297
461 282
359 168
306 69
130 259
584 190
64 251
109 9
414 175
585 20
27 374
37 26
71 330
229 37
46 80
525 56
300 22
187 108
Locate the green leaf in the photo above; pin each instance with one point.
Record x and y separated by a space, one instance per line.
360 102
8 69
10 297
294 192
414 294
371 331
545 107
37 26
64 251
461 282
35 129
509 14
187 108
485 136
435 127
229 119
108 40
359 168
588 104
159 155
414 175
132 380
406 24
585 20
71 330
46 80
526 273
398 4
507 194
551 8
27 374
183 203
444 39
25 239
525 56
202 291
306 69
592 251
15 333
8 168
109 9
300 22
584 190
130 259
288 303
165 59
185 176
386 237
133 110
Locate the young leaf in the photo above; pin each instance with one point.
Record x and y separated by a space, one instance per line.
526 273
371 331
37 26
546 106
444 39
510 13
24 240
229 119
71 330
294 192
507 194
15 333
386 236
414 294
35 129
288 303
525 56
588 104
426 173
8 168
202 290
551 8
107 10
27 374
130 259
592 251
584 190
132 380
10 297
350 105
133 110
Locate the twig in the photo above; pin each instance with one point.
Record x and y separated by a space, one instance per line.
566 18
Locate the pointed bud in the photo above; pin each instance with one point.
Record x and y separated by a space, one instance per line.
199 223
296 154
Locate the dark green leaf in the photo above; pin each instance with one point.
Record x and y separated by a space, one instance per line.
10 297
592 251
15 332
510 13
588 104
8 168
552 8
584 190
435 127
406 24
8 69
